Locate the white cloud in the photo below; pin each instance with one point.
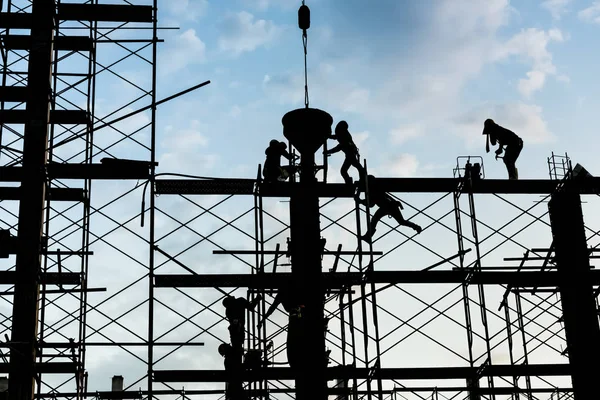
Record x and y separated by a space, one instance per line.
532 45
184 140
264 5
325 87
404 133
524 119
242 33
591 14
403 166
187 49
235 111
188 9
556 7
360 137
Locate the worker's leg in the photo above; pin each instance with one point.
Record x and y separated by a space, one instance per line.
344 171
271 173
509 161
380 213
510 158
397 215
237 335
294 343
355 162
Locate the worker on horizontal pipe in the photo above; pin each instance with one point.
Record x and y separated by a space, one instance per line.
234 386
347 146
504 137
235 312
387 206
272 170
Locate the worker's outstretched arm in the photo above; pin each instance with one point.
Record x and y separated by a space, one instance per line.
254 302
334 150
270 311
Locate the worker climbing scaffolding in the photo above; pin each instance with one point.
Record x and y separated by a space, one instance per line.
387 206
504 137
350 150
235 312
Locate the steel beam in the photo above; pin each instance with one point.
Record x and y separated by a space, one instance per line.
22 369
105 12
50 278
271 281
63 117
580 313
61 43
47 368
391 185
54 194
441 373
80 171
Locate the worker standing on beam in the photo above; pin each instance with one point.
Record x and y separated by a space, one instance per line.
504 137
346 145
235 312
272 170
387 206
234 385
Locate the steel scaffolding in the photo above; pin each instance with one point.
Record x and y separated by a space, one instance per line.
478 306
59 135
509 305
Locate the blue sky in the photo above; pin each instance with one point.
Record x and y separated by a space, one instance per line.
414 80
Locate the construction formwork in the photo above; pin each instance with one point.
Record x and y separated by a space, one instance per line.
473 307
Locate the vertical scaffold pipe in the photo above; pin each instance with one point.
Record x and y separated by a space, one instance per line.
307 130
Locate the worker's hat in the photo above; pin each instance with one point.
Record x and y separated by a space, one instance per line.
341 126
489 123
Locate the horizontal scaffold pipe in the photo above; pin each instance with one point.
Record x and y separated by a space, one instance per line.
367 373
331 280
391 185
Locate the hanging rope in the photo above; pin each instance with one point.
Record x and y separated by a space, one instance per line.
304 24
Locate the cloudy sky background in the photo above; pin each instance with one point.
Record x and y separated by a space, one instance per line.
415 83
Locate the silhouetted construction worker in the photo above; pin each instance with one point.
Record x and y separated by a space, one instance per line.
285 298
295 332
387 206
234 386
235 312
346 145
272 170
504 137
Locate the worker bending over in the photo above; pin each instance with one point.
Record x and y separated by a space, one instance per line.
504 137
347 146
387 206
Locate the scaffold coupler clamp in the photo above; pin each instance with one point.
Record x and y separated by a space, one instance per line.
297 312
482 368
469 277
